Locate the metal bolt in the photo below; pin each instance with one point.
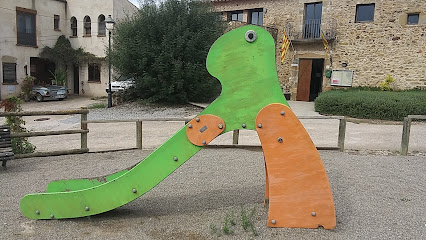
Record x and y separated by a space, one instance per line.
259 125
204 142
273 221
244 125
280 139
197 119
52 216
314 214
220 126
87 208
37 212
134 190
190 125
175 158
282 112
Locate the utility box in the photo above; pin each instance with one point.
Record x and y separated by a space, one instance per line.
328 73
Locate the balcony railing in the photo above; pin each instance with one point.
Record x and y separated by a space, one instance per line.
311 30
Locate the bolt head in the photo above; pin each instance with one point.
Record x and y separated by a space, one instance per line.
314 214
280 139
204 142
37 212
190 125
52 216
197 119
282 112
220 126
175 159
244 125
87 208
259 125
273 222
134 190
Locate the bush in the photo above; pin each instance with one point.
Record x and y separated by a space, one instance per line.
164 47
385 105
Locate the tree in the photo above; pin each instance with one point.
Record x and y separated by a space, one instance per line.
164 47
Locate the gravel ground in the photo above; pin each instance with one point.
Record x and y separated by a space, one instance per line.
375 196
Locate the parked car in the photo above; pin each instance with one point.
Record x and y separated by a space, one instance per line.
117 86
41 93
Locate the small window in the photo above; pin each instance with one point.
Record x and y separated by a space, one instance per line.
94 72
9 73
413 19
256 16
56 22
236 16
87 27
74 27
25 21
101 25
364 13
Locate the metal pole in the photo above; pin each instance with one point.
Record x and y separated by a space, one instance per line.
109 70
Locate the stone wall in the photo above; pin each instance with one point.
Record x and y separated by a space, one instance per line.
371 49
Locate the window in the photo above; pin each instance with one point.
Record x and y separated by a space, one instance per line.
87 26
364 13
74 27
312 24
94 72
236 16
101 25
25 21
413 19
9 73
56 22
256 16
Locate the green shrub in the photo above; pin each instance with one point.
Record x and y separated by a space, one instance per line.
385 105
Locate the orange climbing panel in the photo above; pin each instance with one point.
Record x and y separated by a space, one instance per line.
203 129
298 188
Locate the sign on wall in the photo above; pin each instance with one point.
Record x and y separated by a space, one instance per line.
341 78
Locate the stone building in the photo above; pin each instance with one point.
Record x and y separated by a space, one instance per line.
367 40
30 25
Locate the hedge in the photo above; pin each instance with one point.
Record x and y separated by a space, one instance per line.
372 104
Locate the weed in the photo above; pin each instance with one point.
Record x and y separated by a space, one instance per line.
226 228
97 105
247 222
214 230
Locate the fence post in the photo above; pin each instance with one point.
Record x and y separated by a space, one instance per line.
84 127
405 136
139 134
342 134
235 136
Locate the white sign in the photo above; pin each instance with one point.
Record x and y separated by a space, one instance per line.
341 78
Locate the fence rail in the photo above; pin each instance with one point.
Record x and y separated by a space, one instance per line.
84 130
406 128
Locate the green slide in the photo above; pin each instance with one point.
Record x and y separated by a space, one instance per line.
244 62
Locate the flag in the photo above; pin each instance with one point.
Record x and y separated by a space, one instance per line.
324 41
284 48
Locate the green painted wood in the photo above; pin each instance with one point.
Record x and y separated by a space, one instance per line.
249 82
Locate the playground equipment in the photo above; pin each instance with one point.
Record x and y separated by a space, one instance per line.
296 182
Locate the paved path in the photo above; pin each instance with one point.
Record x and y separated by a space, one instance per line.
360 136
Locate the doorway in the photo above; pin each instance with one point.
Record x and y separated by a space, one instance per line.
310 79
76 79
42 70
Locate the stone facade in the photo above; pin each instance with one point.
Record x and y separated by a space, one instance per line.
374 49
45 12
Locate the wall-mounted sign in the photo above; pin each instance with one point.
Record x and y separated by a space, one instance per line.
341 78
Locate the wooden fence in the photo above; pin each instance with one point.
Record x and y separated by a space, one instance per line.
406 128
84 129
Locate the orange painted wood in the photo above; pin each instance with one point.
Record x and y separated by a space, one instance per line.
304 80
203 131
299 192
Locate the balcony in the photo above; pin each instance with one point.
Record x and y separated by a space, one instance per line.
310 30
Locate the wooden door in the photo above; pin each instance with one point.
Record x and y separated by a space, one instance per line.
304 80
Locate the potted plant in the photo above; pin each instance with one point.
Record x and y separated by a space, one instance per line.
59 77
27 86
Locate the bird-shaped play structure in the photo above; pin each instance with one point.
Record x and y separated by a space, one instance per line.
297 185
